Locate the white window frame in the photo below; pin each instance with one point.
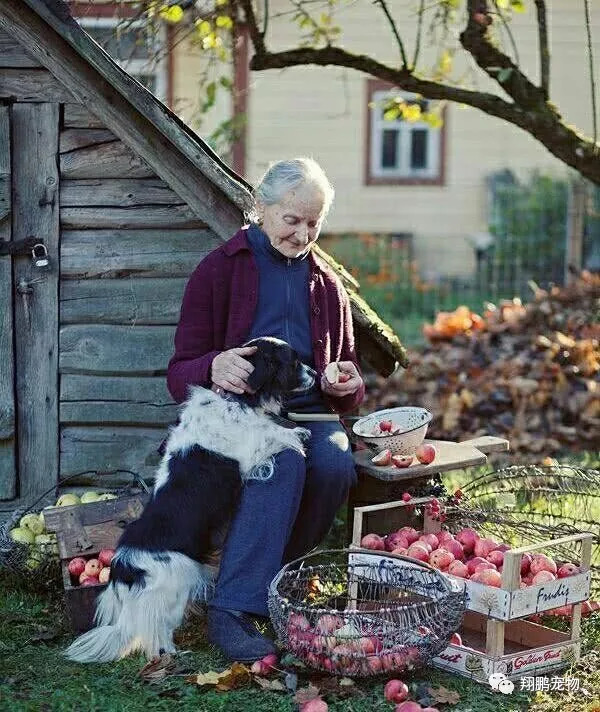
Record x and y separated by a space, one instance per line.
403 170
137 66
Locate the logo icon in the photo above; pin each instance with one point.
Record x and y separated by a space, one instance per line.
498 681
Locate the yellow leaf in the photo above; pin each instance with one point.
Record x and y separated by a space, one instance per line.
224 21
208 678
204 28
220 3
412 112
171 14
325 19
445 62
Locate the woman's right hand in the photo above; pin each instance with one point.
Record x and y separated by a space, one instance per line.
230 370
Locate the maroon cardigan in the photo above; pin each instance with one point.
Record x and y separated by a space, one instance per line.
218 310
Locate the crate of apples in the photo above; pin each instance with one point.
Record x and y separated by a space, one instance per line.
90 570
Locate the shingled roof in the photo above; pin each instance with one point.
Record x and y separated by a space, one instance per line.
193 170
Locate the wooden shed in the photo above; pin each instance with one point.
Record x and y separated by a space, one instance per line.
126 200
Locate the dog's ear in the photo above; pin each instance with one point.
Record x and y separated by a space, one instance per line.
260 375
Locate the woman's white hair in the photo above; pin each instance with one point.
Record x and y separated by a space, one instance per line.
284 176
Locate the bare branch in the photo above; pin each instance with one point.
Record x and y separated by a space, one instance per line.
266 18
540 6
383 5
257 37
421 11
508 32
592 76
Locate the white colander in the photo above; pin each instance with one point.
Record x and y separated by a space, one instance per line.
409 423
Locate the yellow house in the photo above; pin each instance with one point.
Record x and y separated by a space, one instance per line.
390 177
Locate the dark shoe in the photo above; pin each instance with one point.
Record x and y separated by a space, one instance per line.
237 636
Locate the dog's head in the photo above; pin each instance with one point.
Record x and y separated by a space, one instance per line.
277 369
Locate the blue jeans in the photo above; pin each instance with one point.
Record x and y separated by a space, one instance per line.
282 518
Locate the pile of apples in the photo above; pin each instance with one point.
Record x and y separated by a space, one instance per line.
91 571
468 556
337 646
397 692
32 532
425 454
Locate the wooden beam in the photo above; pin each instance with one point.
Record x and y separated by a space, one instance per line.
35 213
117 192
8 473
31 85
108 160
129 112
167 217
138 253
12 54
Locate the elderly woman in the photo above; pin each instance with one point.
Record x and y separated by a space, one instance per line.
266 281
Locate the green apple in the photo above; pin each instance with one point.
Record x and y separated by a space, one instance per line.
106 496
66 500
88 497
46 543
32 522
22 535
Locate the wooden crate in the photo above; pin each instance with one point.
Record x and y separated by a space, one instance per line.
508 602
527 649
84 530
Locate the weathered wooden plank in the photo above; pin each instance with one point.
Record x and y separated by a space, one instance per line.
8 473
117 192
31 85
13 54
118 400
105 450
133 114
72 139
131 218
77 116
143 253
113 350
35 212
109 160
121 301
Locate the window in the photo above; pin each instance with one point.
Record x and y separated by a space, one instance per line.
401 151
139 53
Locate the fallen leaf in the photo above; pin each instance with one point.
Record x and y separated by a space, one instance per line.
236 676
207 678
158 668
43 634
443 695
267 684
291 681
346 682
304 694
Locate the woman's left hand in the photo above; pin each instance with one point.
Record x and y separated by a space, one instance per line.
343 389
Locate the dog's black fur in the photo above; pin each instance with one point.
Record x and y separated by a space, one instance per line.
157 564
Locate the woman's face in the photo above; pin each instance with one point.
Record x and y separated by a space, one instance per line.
293 224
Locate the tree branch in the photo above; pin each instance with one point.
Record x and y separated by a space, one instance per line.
258 39
419 32
540 6
591 61
383 5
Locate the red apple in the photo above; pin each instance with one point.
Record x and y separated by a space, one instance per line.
425 453
368 645
456 639
467 537
395 691
76 566
402 460
454 547
408 706
92 567
89 581
485 566
105 556
541 562
568 570
525 563
457 568
402 551
445 536
441 559
543 576
375 664
429 709
104 575
502 547
496 557
410 534
385 426
418 551
430 539
328 623
83 576
474 562
394 540
297 620
382 459
484 546
372 541
314 705
490 577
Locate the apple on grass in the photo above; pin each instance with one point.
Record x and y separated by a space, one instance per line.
395 691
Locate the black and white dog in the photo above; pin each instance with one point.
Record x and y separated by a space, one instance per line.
217 445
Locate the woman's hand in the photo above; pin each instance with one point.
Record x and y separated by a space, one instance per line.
230 370
343 389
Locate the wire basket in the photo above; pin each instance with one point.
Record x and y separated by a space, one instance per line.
409 426
21 560
359 612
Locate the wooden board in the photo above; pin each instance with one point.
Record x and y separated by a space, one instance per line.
117 192
8 472
121 301
116 400
141 253
74 139
113 350
449 456
108 160
12 54
135 217
104 452
35 213
78 116
31 85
